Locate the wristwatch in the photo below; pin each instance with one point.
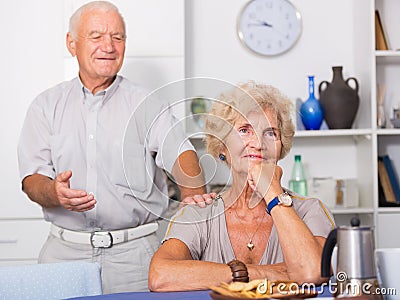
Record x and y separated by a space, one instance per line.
283 199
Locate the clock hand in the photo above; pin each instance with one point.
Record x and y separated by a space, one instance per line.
263 23
278 31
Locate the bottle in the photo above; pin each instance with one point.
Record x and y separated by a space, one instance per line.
298 182
339 192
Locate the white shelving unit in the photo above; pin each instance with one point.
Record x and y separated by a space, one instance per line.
386 66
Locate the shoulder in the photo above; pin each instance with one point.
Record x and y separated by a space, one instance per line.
55 92
199 214
153 98
132 88
303 201
314 214
47 100
192 221
303 204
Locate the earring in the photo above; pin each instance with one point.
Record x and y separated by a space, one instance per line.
222 157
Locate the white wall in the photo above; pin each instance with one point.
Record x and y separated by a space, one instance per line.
31 60
213 47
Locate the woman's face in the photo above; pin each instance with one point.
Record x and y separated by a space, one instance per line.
254 139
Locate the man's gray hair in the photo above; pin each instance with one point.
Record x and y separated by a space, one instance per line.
75 19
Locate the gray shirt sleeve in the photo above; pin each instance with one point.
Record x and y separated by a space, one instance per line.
185 226
167 139
315 215
34 147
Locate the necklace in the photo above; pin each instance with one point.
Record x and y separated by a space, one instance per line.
250 244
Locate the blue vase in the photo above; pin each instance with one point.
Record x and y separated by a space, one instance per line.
311 111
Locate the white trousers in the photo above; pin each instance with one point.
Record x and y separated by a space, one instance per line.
124 267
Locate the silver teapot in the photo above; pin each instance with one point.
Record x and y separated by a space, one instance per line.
355 266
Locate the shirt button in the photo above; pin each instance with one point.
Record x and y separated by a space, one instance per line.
91 223
91 136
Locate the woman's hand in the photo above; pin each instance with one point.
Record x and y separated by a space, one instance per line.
265 180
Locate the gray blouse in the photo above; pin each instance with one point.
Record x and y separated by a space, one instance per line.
204 230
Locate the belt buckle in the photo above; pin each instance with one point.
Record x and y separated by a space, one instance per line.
101 239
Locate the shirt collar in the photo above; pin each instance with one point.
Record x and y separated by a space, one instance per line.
105 95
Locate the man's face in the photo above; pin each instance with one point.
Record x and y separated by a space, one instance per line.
100 45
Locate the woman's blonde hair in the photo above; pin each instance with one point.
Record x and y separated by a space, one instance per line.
241 100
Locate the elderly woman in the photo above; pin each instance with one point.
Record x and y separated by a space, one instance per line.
255 228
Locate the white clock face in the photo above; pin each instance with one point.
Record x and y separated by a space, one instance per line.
269 27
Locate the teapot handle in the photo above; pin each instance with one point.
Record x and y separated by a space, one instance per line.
321 85
355 83
327 254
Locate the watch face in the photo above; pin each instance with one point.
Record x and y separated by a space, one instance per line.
285 199
269 27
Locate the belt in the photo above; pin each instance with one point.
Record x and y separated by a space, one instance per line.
103 239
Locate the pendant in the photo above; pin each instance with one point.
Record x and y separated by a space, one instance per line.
250 245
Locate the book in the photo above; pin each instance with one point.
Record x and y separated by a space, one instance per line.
392 176
385 182
380 38
381 197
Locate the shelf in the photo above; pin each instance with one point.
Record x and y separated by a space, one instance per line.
387 57
321 133
387 53
388 131
389 210
332 132
349 211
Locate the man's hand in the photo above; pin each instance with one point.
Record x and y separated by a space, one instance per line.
70 199
199 200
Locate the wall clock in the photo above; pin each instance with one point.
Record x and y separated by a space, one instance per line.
269 27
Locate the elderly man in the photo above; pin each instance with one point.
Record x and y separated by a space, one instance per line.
71 162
